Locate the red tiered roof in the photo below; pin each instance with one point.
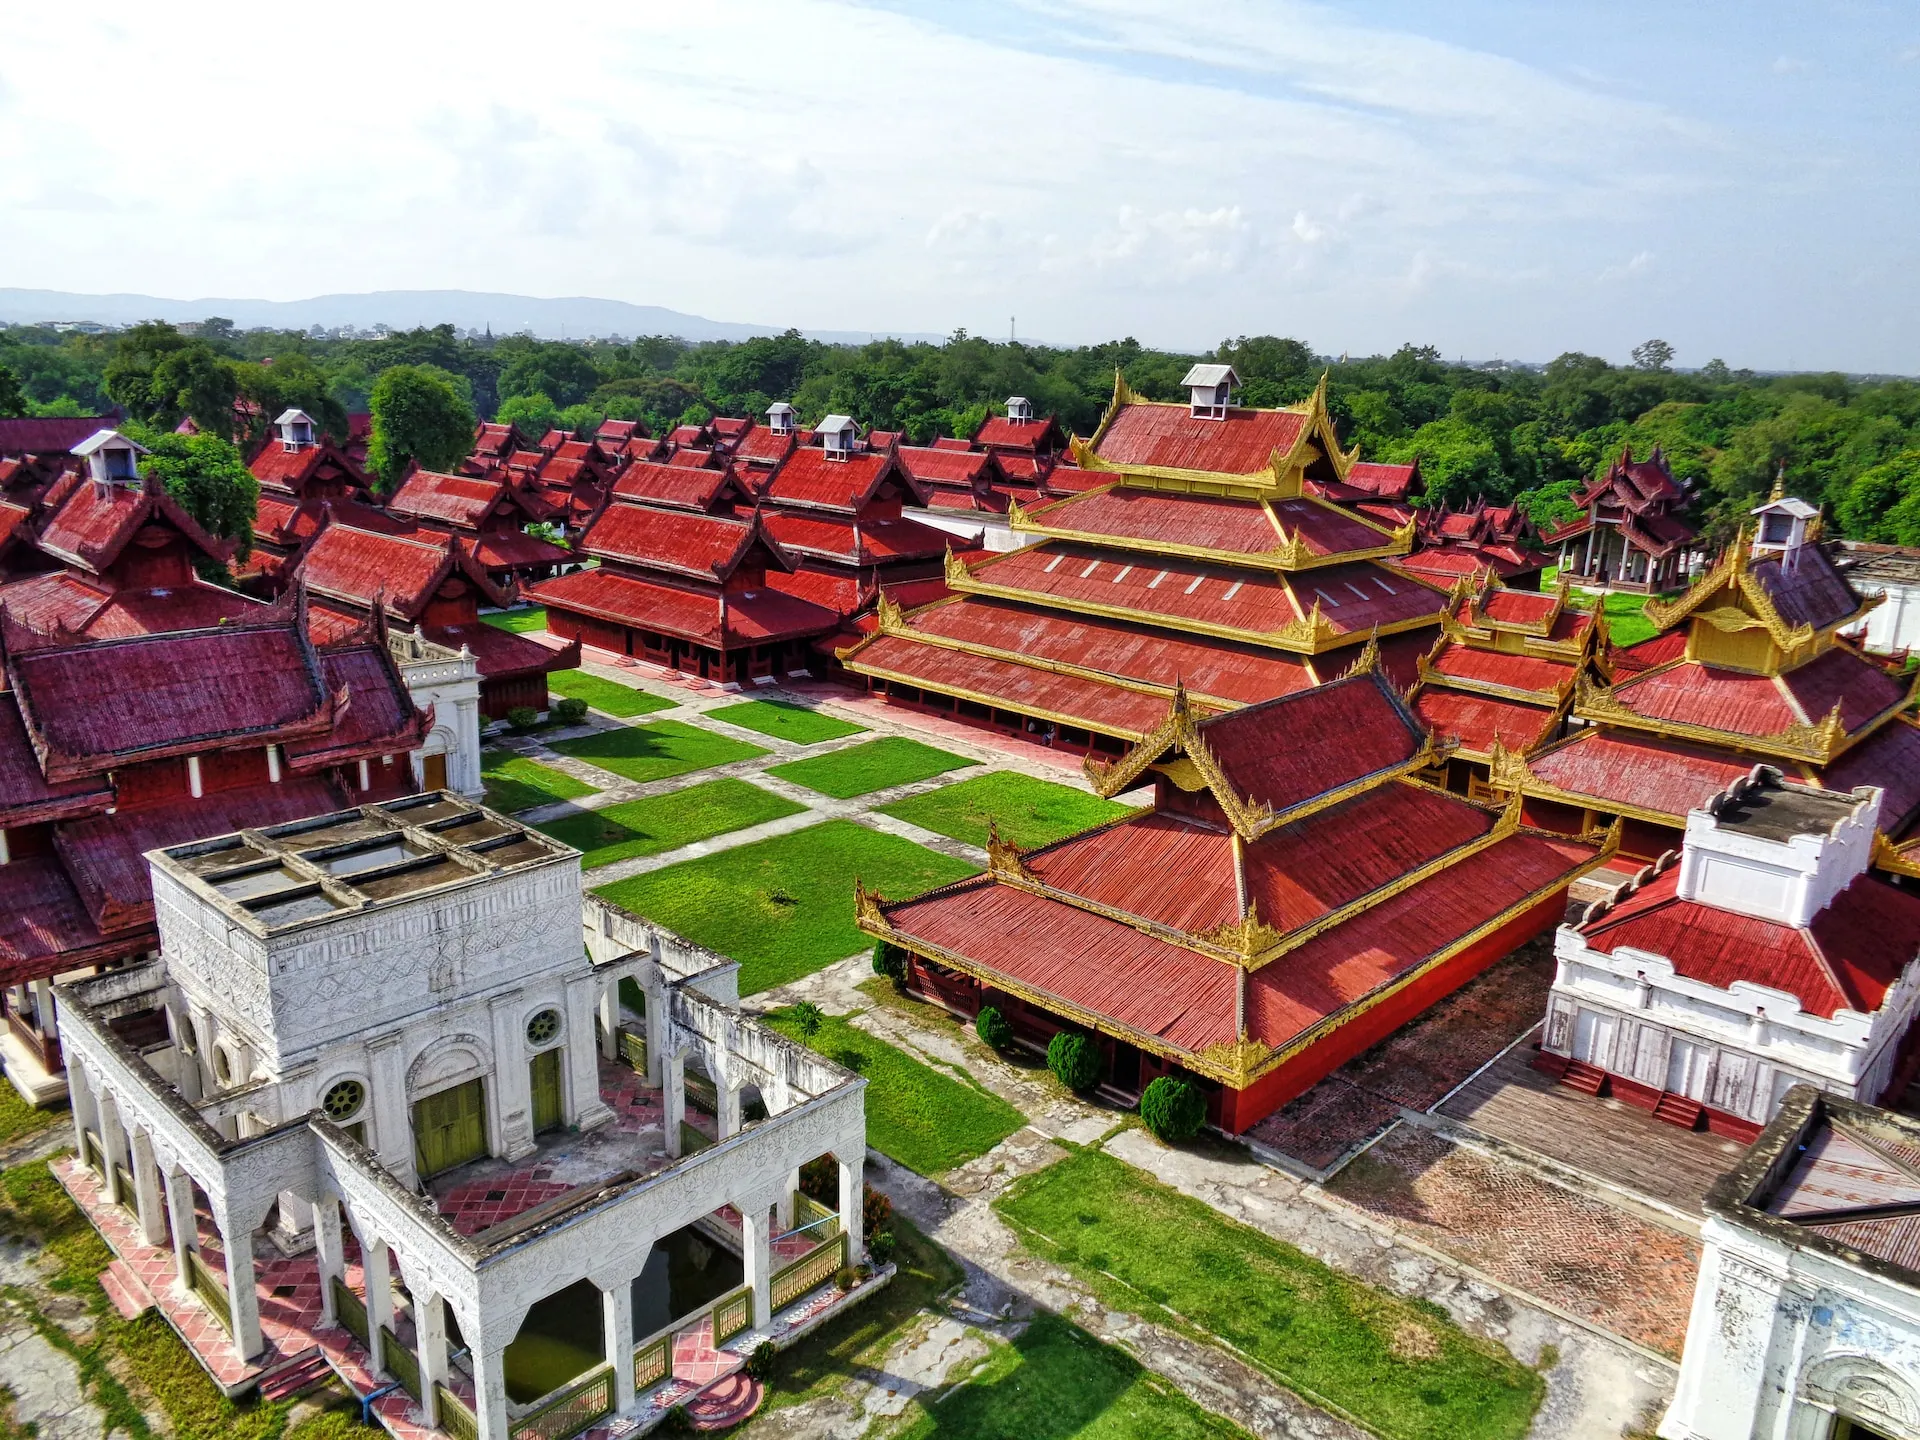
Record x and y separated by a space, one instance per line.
705 546
1746 704
934 465
1806 589
857 542
703 616
1146 434
90 524
515 550
679 488
49 434
1386 482
999 433
1847 959
761 446
290 471
1504 669
1153 518
465 502
1617 771
1889 758
1476 721
1353 598
1387 941
43 925
809 478
26 795
356 565
1219 669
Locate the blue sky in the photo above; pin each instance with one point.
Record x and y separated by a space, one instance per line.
1492 178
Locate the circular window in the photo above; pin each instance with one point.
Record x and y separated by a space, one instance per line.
343 1100
543 1027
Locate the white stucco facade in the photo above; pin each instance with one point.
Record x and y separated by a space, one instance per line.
448 681
326 985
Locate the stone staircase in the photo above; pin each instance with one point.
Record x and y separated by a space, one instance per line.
726 1402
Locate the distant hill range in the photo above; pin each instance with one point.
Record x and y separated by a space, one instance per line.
567 317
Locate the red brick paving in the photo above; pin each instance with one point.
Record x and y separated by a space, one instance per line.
1417 1065
1580 1254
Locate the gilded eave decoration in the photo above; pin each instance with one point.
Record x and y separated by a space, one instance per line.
1896 859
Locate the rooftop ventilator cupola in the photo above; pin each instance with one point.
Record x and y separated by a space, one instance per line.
112 459
296 429
1210 389
780 417
1019 409
838 435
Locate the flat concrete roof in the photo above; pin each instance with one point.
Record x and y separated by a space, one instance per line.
350 860
1780 812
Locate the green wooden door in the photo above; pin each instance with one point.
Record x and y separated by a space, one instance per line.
545 1075
450 1128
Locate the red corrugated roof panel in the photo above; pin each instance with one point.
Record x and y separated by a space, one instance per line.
857 542
688 613
1638 773
1090 704
675 487
708 546
1476 721
514 549
462 501
933 465
42 922
1170 437
1238 527
355 565
91 524
1889 758
1518 607
1696 694
1806 589
1335 734
1861 688
809 478
1217 668
1502 668
1388 940
1389 482
1088 962
26 798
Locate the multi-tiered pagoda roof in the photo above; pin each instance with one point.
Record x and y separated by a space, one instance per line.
1294 893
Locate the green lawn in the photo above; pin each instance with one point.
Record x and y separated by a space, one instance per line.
1626 622
1057 1381
519 621
861 769
607 696
666 822
927 1119
657 750
1029 812
783 721
516 783
1400 1367
784 907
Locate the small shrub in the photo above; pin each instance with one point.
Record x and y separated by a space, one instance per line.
880 1245
876 1211
523 717
1173 1109
890 961
760 1362
807 1019
678 1421
993 1028
846 1277
570 710
1074 1060
820 1180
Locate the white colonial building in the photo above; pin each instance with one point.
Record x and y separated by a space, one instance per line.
1765 954
418 1113
1806 1316
447 683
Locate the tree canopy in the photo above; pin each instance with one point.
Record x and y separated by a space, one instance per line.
1514 434
209 479
419 416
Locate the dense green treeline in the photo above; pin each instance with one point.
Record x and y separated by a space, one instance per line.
1507 434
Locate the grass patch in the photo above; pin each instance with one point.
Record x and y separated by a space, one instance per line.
1056 1380
784 907
926 1119
1400 1367
18 1119
516 783
666 822
609 697
1029 812
861 769
519 621
857 1340
786 721
1627 622
656 751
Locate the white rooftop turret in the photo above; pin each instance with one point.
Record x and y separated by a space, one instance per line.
1211 389
837 436
1775 849
780 418
111 457
296 429
1019 409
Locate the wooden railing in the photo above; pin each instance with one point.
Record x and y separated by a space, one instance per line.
123 1188
810 1271
45 1048
692 1141
701 1092
569 1411
455 1418
351 1311
809 1211
210 1288
95 1158
400 1362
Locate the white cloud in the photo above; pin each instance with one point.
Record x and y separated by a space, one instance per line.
819 163
1640 263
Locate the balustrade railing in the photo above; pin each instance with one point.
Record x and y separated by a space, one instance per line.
351 1311
633 1049
810 1271
569 1411
400 1362
732 1315
455 1418
211 1289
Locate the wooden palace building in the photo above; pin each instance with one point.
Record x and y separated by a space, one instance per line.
1749 667
1294 894
1199 558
